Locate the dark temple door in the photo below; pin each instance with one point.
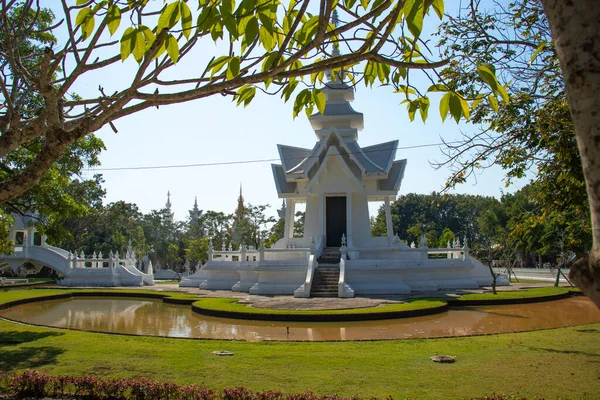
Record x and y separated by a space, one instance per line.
335 220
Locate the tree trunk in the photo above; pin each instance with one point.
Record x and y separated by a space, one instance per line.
574 26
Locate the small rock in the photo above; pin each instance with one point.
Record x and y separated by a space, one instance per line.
222 353
443 359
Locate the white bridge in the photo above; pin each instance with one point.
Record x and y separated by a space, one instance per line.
73 269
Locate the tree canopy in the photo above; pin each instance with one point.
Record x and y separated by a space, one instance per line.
269 46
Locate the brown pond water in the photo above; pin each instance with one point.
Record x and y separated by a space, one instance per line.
155 318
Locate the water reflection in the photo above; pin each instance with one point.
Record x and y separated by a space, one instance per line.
153 317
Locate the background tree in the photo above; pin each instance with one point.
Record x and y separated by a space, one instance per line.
447 238
106 229
197 250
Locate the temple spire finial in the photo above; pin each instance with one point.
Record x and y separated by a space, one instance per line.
336 51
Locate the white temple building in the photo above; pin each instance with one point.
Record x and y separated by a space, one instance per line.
337 256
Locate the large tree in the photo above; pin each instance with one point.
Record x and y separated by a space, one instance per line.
574 27
60 192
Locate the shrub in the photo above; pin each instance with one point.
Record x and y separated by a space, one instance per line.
34 384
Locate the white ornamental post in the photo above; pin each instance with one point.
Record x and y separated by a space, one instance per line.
210 249
344 249
243 253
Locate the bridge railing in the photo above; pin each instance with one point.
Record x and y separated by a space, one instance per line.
99 261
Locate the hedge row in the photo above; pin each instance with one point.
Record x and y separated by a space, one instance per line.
37 385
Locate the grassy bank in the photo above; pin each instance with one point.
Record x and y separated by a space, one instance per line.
519 294
552 363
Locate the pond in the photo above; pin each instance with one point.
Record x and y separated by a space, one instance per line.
155 318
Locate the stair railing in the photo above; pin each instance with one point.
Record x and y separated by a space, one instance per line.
344 290
304 290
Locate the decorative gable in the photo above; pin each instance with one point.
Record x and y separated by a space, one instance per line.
334 176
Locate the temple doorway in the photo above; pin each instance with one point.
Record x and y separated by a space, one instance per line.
335 220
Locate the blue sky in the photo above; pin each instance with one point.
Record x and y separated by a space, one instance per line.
214 130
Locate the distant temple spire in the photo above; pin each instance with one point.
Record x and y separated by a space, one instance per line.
168 209
281 211
195 212
168 204
241 210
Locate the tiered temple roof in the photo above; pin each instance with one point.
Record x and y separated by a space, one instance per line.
338 127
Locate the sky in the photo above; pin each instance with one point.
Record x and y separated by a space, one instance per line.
214 130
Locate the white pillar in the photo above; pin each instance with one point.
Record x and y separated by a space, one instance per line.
348 219
388 220
288 219
321 215
292 207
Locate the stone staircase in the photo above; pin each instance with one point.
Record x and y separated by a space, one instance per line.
327 274
330 255
325 281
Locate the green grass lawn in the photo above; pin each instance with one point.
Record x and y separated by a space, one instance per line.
232 305
519 294
552 363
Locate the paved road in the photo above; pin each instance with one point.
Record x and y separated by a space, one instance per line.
538 274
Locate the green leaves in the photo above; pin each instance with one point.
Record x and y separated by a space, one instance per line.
113 19
487 72
288 90
233 68
319 100
169 16
414 13
245 94
217 64
172 48
173 13
251 31
421 104
438 6
375 70
127 43
537 51
133 42
85 20
139 46
308 99
186 19
137 41
456 105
